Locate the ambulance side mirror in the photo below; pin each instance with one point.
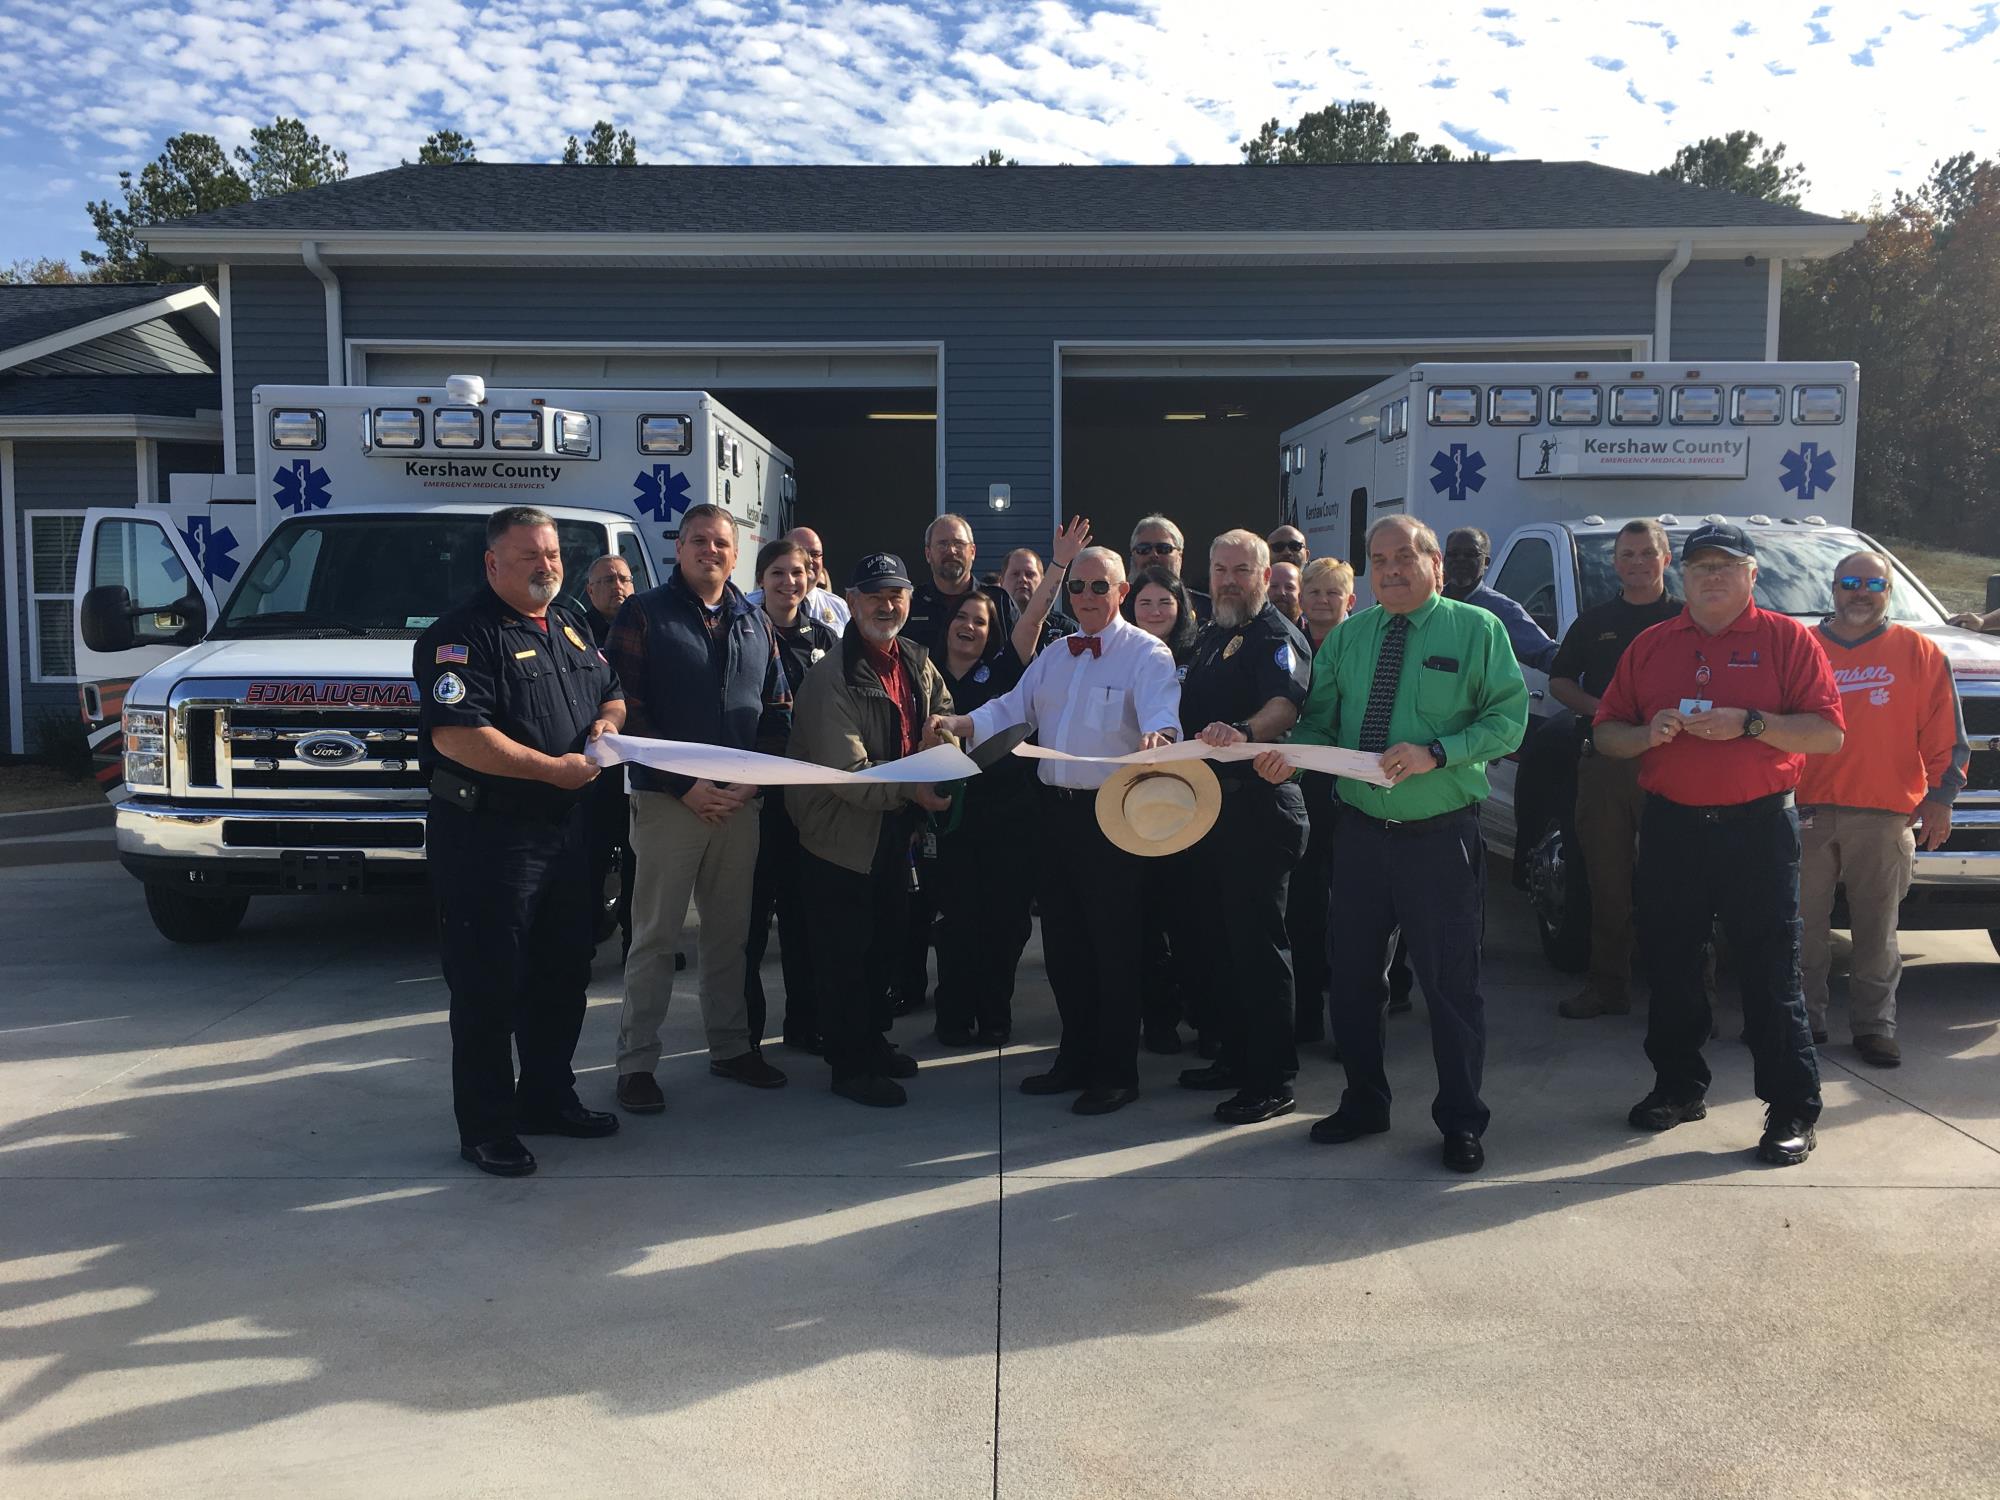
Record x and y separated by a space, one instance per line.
111 622
106 618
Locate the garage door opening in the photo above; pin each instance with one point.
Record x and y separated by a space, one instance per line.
1202 450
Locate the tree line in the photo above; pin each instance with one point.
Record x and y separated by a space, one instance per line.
1915 302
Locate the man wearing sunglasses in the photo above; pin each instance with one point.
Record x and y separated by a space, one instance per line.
1157 540
1864 809
1288 545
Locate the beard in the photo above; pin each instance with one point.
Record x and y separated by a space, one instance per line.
1233 614
952 570
878 633
544 587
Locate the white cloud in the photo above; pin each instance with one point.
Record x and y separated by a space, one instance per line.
883 81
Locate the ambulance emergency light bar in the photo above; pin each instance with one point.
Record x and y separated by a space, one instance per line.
544 430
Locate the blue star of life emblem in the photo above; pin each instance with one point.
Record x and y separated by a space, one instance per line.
662 494
213 547
302 487
1456 471
1808 469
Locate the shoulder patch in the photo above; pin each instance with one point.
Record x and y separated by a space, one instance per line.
448 689
1283 656
451 655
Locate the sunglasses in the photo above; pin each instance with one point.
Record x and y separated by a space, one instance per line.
1288 546
1856 585
1150 549
1095 585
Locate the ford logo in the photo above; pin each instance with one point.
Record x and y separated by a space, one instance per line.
329 747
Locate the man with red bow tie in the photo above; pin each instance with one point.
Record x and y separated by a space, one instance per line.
1107 690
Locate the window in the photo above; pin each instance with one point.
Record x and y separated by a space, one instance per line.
53 538
1528 577
1357 531
634 552
137 556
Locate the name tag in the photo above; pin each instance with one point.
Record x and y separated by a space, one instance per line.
1441 663
1696 705
523 655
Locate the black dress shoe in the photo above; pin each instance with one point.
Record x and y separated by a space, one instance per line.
1102 1101
1212 1079
1660 1110
572 1120
893 1064
1164 1040
870 1089
994 1036
638 1094
909 1005
1252 1105
750 1068
505 1157
957 1036
1338 1129
1208 1047
1463 1153
1787 1141
808 1044
1055 1081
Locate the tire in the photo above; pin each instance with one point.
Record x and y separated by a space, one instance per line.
1559 890
183 917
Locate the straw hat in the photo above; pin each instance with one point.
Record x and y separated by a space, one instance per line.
1159 809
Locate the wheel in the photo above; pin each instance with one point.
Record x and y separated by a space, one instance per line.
1559 890
184 917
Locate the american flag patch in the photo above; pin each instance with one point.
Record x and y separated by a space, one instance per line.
451 654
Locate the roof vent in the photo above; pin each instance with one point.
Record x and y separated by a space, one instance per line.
468 390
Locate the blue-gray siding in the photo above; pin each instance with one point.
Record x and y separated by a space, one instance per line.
186 458
998 326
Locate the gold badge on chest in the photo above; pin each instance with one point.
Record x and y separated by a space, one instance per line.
1235 645
574 639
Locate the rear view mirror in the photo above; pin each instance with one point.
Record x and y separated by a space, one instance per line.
106 617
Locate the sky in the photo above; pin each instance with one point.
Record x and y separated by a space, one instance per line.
1867 96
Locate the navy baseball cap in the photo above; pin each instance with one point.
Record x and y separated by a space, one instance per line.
1720 536
879 570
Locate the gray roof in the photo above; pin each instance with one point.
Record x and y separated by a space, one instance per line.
108 395
28 313
501 198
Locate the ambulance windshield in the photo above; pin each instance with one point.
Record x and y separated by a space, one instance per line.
381 576
1794 573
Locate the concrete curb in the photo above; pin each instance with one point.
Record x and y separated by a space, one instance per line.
46 820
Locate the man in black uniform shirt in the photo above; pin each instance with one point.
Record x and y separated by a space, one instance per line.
1608 799
1245 681
512 689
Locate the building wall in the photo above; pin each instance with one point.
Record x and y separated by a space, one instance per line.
998 326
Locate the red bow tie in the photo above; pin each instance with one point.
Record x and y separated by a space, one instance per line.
1078 644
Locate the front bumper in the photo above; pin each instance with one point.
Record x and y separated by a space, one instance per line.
265 849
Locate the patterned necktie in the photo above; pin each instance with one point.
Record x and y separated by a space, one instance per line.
1078 644
1382 691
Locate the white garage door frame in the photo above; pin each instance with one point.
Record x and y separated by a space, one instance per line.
1357 357
358 350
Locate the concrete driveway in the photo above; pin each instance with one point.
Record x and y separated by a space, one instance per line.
239 1256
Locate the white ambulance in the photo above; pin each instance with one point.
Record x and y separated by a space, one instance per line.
245 646
1550 459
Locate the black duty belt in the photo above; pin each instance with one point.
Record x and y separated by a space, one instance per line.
1411 825
1728 812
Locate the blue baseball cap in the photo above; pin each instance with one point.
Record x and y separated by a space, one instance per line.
1719 536
879 570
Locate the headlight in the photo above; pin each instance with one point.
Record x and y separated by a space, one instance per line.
145 747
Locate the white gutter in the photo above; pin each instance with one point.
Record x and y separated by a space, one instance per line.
336 349
1663 299
1774 297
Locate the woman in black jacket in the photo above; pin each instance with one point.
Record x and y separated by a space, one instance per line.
784 572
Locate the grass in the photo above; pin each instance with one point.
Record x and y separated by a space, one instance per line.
1957 578
32 788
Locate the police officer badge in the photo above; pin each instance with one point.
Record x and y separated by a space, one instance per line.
448 689
1235 645
574 639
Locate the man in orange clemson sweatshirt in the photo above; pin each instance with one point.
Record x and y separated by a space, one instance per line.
1864 809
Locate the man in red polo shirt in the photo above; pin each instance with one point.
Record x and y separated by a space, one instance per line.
1720 707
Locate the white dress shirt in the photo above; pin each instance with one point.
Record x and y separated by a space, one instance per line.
820 604
1090 705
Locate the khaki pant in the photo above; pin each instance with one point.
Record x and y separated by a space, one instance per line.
1871 853
1608 805
679 857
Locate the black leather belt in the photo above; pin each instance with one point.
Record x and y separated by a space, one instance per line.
1410 825
1728 812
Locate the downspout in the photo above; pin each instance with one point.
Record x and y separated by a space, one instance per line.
336 347
1663 299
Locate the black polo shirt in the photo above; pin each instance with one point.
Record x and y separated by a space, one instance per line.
485 665
1590 649
1233 672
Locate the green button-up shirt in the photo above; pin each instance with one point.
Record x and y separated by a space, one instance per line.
1460 686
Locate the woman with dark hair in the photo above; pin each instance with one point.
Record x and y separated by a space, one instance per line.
984 871
784 572
1158 604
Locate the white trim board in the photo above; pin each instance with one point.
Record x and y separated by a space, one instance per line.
16 631
197 302
202 429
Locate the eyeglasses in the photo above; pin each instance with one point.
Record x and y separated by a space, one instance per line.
1715 569
1288 546
1856 585
1151 549
1095 585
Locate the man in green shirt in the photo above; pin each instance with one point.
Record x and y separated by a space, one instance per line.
1431 685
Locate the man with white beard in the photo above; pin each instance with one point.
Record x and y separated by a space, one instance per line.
1245 681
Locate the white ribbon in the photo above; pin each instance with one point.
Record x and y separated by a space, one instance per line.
749 768
1356 765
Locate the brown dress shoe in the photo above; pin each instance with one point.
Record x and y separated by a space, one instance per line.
638 1094
1882 1051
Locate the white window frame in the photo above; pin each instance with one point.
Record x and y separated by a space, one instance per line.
38 597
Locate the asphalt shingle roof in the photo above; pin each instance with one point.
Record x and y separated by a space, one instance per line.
108 395
500 198
28 313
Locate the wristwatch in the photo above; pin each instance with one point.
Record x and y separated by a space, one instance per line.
1242 727
1754 723
1436 748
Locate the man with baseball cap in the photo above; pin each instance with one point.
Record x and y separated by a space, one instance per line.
1721 706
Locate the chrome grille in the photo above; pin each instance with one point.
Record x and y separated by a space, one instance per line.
1982 733
264 750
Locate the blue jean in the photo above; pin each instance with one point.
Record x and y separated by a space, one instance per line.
1741 867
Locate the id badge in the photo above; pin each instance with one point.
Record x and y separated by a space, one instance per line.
1696 705
927 844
